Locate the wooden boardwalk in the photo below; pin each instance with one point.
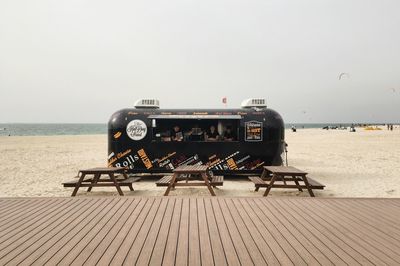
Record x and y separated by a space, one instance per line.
194 231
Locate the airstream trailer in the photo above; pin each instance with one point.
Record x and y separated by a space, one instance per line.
153 140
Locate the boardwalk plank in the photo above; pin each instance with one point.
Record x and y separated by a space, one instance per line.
48 250
221 254
299 235
366 236
288 233
370 223
122 254
199 231
15 210
265 216
363 237
92 244
375 211
269 239
162 238
229 248
20 241
246 222
94 231
194 238
7 203
173 234
96 255
140 239
384 206
248 239
148 246
33 252
351 239
318 224
126 232
204 234
323 243
65 249
30 217
182 252
236 238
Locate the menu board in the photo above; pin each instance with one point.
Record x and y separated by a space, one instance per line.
253 131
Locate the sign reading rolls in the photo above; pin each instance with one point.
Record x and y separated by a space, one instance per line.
136 129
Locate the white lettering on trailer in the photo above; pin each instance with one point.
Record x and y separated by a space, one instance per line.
136 129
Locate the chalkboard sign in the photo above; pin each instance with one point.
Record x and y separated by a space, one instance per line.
253 131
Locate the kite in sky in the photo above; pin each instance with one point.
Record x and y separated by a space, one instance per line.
343 75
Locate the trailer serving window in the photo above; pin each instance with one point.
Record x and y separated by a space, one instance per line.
195 127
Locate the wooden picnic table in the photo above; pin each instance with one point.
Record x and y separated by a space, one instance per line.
285 174
114 177
188 173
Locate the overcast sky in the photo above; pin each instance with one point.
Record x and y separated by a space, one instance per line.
81 60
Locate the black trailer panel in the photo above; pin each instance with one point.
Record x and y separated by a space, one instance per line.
140 139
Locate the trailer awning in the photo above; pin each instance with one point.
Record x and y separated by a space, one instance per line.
195 117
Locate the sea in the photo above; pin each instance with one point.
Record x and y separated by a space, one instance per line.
51 129
20 129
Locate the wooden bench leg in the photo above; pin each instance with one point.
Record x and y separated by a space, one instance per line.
171 184
94 181
297 183
271 183
112 177
308 186
129 185
78 184
263 176
205 177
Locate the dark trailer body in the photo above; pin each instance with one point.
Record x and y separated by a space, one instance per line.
140 139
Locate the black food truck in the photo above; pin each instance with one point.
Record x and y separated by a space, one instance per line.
147 139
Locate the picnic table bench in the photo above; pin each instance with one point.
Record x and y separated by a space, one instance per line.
279 176
216 180
114 177
189 173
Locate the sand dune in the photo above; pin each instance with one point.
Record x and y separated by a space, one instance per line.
360 164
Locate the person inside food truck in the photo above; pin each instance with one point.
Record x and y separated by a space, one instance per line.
195 134
212 134
228 135
177 134
165 136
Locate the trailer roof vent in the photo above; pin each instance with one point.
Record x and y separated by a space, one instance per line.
147 103
254 103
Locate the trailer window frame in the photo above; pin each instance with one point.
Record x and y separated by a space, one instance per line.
221 122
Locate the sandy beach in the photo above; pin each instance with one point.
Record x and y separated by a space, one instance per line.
360 164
